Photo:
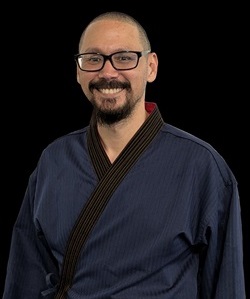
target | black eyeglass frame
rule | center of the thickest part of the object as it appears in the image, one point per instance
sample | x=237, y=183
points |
x=109, y=57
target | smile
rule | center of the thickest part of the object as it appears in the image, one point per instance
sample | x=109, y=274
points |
x=110, y=91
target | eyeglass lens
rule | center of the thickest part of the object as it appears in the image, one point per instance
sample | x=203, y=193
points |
x=121, y=60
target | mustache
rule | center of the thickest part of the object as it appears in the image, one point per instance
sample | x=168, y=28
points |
x=104, y=84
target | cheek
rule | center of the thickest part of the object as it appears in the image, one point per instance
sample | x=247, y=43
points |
x=139, y=80
x=80, y=75
x=82, y=79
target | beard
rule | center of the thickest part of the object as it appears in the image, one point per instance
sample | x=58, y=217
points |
x=106, y=114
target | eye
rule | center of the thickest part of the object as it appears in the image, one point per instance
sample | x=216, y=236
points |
x=93, y=59
x=124, y=57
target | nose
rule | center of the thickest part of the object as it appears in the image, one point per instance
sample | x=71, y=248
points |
x=108, y=70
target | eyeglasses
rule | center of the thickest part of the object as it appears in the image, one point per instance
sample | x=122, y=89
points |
x=121, y=61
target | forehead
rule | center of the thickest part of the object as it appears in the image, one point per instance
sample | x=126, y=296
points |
x=111, y=35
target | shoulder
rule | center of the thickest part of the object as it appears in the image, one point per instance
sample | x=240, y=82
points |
x=68, y=145
x=68, y=140
x=195, y=152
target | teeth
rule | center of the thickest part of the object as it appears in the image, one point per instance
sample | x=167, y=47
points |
x=110, y=91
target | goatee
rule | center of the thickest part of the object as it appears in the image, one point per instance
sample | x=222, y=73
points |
x=110, y=117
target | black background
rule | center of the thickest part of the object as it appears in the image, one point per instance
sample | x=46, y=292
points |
x=201, y=85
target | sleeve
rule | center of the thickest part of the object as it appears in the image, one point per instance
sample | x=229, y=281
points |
x=223, y=271
x=31, y=270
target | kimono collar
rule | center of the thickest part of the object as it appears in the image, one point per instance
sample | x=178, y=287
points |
x=139, y=141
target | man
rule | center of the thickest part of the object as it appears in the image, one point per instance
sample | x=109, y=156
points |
x=130, y=206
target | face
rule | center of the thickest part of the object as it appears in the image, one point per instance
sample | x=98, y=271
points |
x=115, y=93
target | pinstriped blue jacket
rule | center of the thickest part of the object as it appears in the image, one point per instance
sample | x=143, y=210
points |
x=171, y=229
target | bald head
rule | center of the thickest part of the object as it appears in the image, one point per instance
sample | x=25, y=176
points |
x=123, y=18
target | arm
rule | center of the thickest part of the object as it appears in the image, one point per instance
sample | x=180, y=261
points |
x=223, y=274
x=31, y=268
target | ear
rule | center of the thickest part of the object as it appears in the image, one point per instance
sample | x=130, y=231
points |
x=152, y=66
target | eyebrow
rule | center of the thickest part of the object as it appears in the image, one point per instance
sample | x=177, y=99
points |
x=97, y=50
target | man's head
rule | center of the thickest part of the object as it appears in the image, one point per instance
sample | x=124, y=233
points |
x=116, y=84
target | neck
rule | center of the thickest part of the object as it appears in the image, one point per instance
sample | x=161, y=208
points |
x=115, y=137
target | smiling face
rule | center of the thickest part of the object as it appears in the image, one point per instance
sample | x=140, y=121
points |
x=114, y=94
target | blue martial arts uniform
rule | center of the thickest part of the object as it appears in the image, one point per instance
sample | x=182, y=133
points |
x=171, y=229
